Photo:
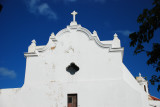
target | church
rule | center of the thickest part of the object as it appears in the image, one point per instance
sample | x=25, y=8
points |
x=76, y=69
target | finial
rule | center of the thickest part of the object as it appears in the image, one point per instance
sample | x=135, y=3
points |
x=139, y=74
x=115, y=35
x=52, y=34
x=94, y=33
x=33, y=41
x=53, y=37
x=116, y=42
x=32, y=47
x=74, y=13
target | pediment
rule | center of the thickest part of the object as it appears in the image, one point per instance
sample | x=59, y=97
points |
x=56, y=39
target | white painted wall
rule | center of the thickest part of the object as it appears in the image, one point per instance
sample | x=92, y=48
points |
x=102, y=80
x=153, y=103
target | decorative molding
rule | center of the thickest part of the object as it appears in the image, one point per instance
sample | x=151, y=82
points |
x=30, y=54
x=79, y=28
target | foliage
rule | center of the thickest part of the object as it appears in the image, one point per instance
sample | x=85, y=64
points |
x=1, y=7
x=149, y=22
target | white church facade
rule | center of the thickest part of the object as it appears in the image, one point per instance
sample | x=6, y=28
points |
x=76, y=69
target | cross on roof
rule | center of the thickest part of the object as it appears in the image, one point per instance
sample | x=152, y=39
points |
x=74, y=13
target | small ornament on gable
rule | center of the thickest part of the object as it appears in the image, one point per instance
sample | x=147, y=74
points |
x=33, y=41
x=94, y=33
x=116, y=42
x=32, y=47
x=115, y=36
x=53, y=37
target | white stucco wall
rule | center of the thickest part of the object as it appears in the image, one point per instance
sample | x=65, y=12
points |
x=102, y=80
x=153, y=103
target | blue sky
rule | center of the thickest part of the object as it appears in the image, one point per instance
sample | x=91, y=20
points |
x=24, y=20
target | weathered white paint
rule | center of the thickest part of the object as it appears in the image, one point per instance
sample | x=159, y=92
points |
x=102, y=80
x=154, y=103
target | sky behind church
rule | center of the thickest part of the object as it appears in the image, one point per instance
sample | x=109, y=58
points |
x=24, y=20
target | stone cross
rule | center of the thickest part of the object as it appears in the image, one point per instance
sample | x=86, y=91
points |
x=74, y=13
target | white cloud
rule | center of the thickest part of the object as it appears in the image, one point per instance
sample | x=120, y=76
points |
x=7, y=73
x=44, y=9
x=40, y=8
x=124, y=32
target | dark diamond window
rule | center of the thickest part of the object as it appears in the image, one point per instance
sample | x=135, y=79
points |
x=72, y=68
